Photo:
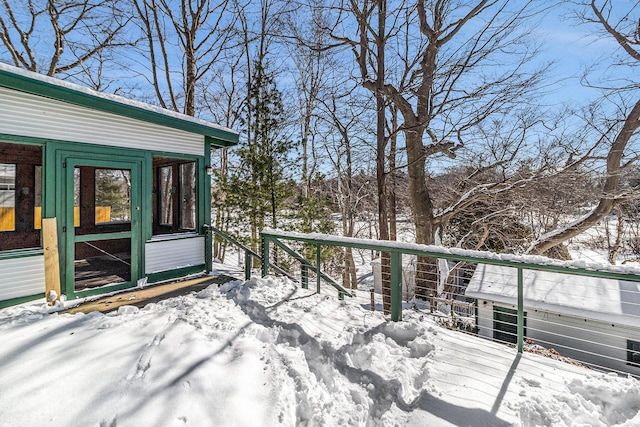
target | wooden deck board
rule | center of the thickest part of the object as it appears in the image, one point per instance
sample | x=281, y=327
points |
x=142, y=297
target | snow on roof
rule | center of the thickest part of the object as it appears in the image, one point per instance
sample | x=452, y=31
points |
x=111, y=98
x=607, y=300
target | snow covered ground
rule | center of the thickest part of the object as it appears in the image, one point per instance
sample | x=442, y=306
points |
x=266, y=353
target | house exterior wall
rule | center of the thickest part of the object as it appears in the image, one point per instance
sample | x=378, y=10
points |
x=75, y=128
x=25, y=114
x=21, y=277
x=164, y=254
x=590, y=341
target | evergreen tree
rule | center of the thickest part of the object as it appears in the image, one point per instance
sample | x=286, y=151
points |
x=258, y=187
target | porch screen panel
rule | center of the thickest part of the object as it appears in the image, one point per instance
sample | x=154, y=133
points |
x=20, y=185
x=175, y=201
x=7, y=197
x=100, y=263
x=188, y=196
x=166, y=191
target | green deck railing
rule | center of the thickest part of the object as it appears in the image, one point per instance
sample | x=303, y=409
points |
x=398, y=249
x=249, y=255
x=306, y=265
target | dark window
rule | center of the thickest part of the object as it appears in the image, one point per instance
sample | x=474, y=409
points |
x=505, y=325
x=175, y=202
x=20, y=196
x=633, y=353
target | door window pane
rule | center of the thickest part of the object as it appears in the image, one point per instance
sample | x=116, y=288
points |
x=188, y=196
x=112, y=195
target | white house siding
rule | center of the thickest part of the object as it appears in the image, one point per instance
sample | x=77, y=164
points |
x=25, y=114
x=591, y=341
x=163, y=255
x=21, y=277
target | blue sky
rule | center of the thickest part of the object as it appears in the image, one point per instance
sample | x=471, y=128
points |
x=573, y=48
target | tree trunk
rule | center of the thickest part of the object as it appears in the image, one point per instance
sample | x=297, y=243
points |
x=391, y=189
x=609, y=189
x=426, y=268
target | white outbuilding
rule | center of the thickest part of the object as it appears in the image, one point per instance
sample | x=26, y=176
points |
x=593, y=320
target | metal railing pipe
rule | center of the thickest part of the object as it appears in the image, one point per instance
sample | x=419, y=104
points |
x=396, y=286
x=520, y=325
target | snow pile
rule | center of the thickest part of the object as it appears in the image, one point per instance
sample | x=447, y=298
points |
x=593, y=401
x=266, y=353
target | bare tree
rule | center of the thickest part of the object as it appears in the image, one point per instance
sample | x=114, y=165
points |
x=345, y=116
x=617, y=135
x=61, y=38
x=311, y=65
x=199, y=28
x=447, y=82
x=223, y=94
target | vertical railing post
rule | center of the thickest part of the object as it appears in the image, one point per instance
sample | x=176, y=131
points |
x=520, y=310
x=396, y=286
x=247, y=265
x=264, y=246
x=208, y=247
x=305, y=275
x=318, y=262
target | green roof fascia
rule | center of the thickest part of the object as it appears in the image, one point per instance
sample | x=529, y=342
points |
x=217, y=136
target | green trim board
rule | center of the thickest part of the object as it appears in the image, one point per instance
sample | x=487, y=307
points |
x=17, y=139
x=101, y=290
x=25, y=81
x=176, y=273
x=15, y=301
x=205, y=196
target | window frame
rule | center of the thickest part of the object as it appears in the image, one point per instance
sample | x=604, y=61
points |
x=176, y=196
x=506, y=330
x=633, y=348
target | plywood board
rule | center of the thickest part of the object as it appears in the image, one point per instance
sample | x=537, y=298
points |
x=154, y=293
x=51, y=259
